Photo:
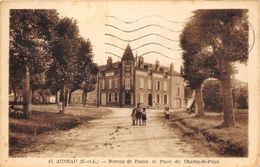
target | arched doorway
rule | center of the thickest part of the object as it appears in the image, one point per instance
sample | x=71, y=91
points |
x=150, y=100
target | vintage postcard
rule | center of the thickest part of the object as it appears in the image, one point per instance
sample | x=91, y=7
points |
x=130, y=83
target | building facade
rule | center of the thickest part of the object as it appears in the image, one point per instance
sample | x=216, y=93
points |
x=133, y=81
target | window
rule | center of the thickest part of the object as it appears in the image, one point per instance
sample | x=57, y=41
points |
x=158, y=85
x=165, y=85
x=115, y=96
x=103, y=84
x=128, y=69
x=165, y=99
x=178, y=91
x=149, y=84
x=158, y=98
x=141, y=80
x=127, y=83
x=116, y=82
x=110, y=83
x=108, y=74
x=109, y=97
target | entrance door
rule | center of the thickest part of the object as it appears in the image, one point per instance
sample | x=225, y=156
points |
x=150, y=100
x=127, y=98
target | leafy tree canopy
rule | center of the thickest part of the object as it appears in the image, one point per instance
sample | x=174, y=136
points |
x=209, y=37
x=31, y=32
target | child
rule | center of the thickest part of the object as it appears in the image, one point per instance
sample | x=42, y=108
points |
x=12, y=111
x=166, y=114
x=133, y=116
x=138, y=114
x=144, y=117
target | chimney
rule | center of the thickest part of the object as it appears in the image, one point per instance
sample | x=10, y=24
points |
x=109, y=60
x=157, y=65
x=171, y=68
x=141, y=62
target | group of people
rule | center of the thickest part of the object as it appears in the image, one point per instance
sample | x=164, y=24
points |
x=15, y=113
x=139, y=115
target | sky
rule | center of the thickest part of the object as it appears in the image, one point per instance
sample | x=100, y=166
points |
x=98, y=21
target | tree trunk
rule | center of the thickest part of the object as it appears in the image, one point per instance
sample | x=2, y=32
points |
x=66, y=97
x=70, y=92
x=227, y=102
x=62, y=98
x=26, y=93
x=234, y=99
x=199, y=102
x=84, y=98
x=56, y=97
x=98, y=91
x=33, y=100
x=61, y=95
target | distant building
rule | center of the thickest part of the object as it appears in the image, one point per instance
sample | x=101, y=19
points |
x=39, y=96
x=43, y=96
x=76, y=97
x=133, y=81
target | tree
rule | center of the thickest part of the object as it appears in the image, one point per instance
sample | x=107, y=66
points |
x=89, y=83
x=198, y=64
x=86, y=78
x=30, y=34
x=193, y=76
x=73, y=59
x=226, y=33
x=64, y=50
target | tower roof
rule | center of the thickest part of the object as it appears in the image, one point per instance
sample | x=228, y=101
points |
x=128, y=54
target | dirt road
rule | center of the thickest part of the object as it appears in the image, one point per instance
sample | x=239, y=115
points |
x=113, y=136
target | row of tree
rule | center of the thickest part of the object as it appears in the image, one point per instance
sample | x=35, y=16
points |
x=212, y=41
x=46, y=51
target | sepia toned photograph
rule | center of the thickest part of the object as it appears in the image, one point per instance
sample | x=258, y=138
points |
x=128, y=81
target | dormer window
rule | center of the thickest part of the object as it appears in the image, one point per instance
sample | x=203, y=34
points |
x=127, y=69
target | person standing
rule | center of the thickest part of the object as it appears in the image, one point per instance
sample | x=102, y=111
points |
x=138, y=114
x=144, y=118
x=133, y=116
x=166, y=115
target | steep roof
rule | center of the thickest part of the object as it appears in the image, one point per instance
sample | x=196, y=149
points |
x=166, y=69
x=128, y=54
